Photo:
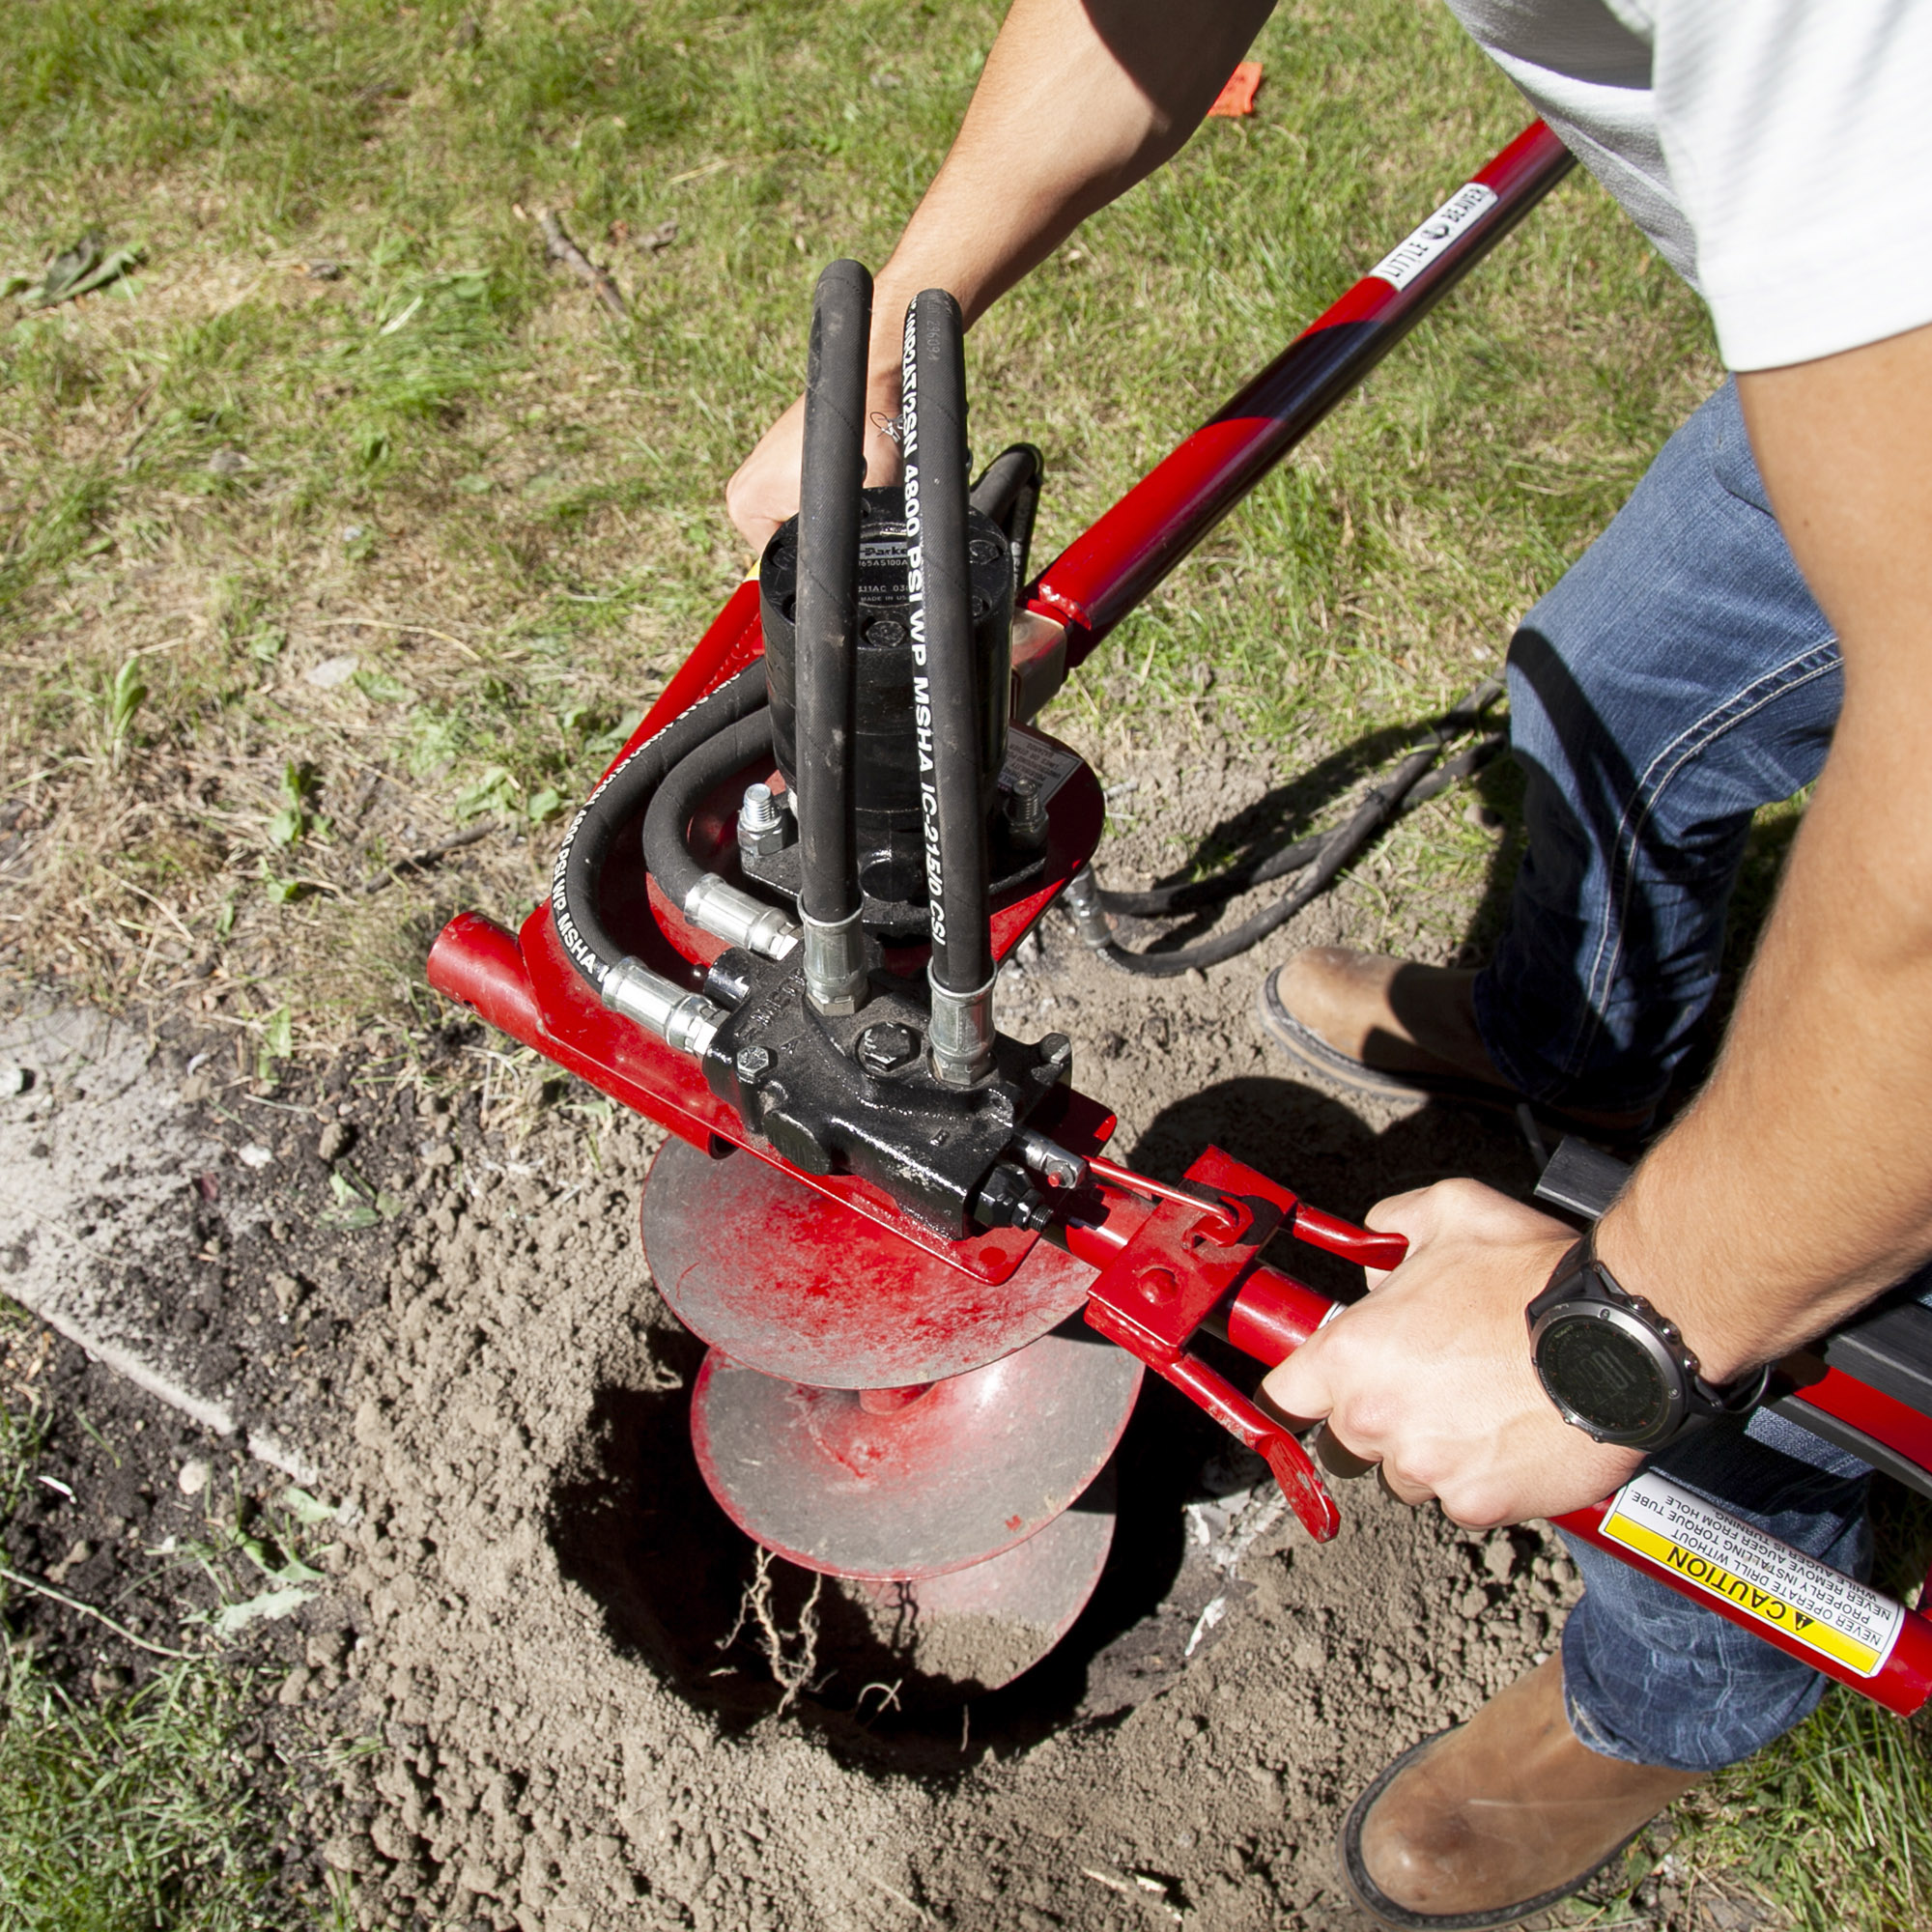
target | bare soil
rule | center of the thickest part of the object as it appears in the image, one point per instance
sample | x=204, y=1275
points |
x=535, y=1614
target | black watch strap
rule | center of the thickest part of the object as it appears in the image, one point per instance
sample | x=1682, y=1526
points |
x=1581, y=1277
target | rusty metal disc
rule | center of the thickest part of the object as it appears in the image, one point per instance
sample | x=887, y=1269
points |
x=974, y=1630
x=976, y=1465
x=787, y=1281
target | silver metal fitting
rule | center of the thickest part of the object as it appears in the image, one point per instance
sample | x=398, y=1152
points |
x=761, y=822
x=835, y=965
x=1050, y=1160
x=961, y=1035
x=738, y=919
x=1082, y=900
x=679, y=1017
x=1039, y=662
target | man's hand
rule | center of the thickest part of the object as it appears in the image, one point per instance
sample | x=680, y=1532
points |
x=1431, y=1375
x=764, y=492
x=1023, y=174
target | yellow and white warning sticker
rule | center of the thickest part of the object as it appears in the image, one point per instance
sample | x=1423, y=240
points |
x=1770, y=1581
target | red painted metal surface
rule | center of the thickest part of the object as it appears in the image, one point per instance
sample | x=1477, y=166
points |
x=1903, y=1682
x=1033, y=1592
x=1894, y=1423
x=1156, y=1292
x=1092, y=583
x=977, y=1463
x=1158, y=1270
x=784, y=1280
x=1271, y=1309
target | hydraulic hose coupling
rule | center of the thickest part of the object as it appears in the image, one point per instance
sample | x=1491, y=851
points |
x=679, y=1017
x=1082, y=900
x=835, y=965
x=740, y=919
x=961, y=1035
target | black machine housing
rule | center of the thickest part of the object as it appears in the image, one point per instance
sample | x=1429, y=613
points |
x=855, y=1095
x=886, y=773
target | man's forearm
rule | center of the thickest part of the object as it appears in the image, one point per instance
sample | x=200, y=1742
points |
x=1078, y=102
x=1800, y=1186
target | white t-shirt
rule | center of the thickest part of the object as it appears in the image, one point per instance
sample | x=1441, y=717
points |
x=1777, y=151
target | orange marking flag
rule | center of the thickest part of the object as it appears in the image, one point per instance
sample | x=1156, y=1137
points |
x=1237, y=99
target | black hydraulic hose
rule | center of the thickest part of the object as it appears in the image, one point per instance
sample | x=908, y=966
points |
x=831, y=477
x=1198, y=896
x=622, y=793
x=1009, y=492
x=1334, y=851
x=946, y=705
x=674, y=804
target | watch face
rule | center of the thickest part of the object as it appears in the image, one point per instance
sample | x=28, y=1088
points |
x=1608, y=1378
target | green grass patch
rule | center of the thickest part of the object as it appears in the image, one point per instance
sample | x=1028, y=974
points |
x=128, y=1811
x=1829, y=1824
x=127, y=1814
x=345, y=386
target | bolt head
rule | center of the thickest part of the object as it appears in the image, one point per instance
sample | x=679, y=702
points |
x=887, y=1047
x=1158, y=1284
x=753, y=1062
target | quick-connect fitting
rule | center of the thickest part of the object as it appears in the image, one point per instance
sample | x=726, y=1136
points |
x=679, y=1017
x=835, y=965
x=738, y=919
x=961, y=1035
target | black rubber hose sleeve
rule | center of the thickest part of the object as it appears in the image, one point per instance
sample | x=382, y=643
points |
x=675, y=802
x=830, y=477
x=623, y=792
x=1335, y=851
x=936, y=503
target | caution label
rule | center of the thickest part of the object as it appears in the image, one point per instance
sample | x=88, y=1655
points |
x=1415, y=252
x=1770, y=1581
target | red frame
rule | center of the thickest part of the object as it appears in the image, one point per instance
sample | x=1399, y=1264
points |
x=1159, y=1266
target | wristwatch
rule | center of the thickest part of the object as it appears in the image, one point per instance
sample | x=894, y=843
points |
x=1614, y=1367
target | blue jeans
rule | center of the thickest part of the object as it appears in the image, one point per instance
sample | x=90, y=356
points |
x=1676, y=679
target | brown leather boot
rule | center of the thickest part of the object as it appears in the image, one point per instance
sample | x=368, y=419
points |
x=1496, y=1820
x=1395, y=1029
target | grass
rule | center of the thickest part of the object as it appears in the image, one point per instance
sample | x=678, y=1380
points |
x=128, y=1811
x=451, y=467
x=345, y=413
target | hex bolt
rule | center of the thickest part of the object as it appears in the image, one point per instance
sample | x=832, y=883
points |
x=753, y=1063
x=885, y=1047
x=761, y=822
x=1026, y=815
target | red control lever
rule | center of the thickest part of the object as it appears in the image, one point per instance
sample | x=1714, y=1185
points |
x=1184, y=1260
x=1175, y=1268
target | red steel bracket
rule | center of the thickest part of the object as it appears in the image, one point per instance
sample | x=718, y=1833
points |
x=1176, y=1266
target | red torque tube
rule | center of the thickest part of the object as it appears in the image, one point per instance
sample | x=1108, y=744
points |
x=1902, y=1683
x=1104, y=574
x=1273, y=1314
